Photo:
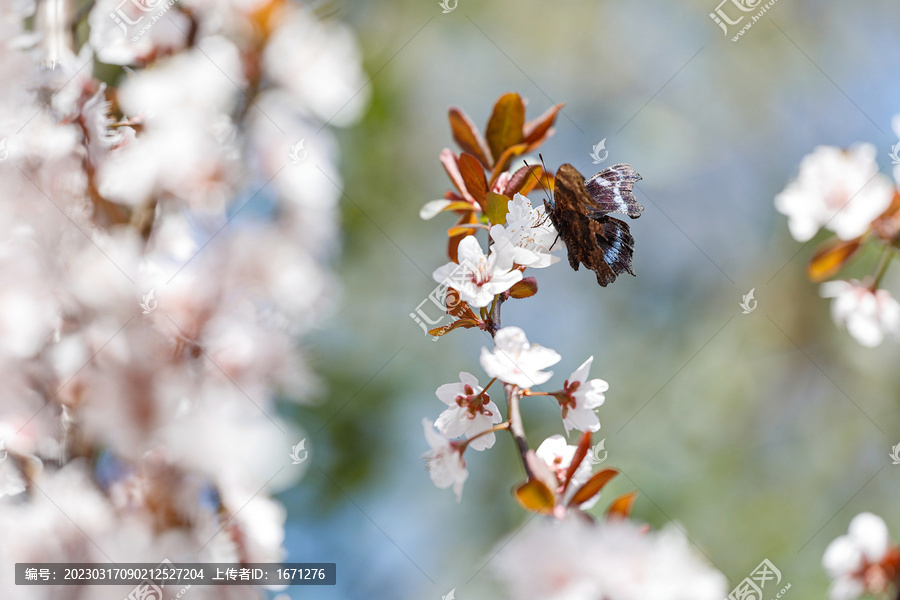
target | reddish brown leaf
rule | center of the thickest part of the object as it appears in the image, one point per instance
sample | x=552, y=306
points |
x=504, y=128
x=473, y=175
x=525, y=288
x=593, y=486
x=536, y=131
x=584, y=444
x=466, y=135
x=458, y=308
x=451, y=166
x=506, y=158
x=453, y=245
x=533, y=495
x=496, y=208
x=524, y=180
x=467, y=229
x=464, y=323
x=831, y=258
x=621, y=506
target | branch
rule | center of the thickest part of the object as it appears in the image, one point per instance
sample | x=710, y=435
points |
x=516, y=428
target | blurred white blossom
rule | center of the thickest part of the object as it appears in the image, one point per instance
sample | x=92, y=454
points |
x=841, y=190
x=131, y=437
x=868, y=315
x=854, y=561
x=574, y=559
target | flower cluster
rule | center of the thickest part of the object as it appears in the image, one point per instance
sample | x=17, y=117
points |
x=844, y=191
x=864, y=561
x=570, y=556
x=150, y=302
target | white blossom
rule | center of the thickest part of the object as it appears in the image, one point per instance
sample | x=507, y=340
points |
x=868, y=315
x=615, y=560
x=514, y=360
x=841, y=190
x=469, y=412
x=580, y=397
x=852, y=560
x=530, y=231
x=477, y=277
x=444, y=461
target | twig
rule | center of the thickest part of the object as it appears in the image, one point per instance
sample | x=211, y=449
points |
x=516, y=428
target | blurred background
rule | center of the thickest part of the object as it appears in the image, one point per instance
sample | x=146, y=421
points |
x=761, y=435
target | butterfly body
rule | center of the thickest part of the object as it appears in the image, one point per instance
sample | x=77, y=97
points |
x=580, y=212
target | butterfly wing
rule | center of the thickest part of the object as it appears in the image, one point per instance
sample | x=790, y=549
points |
x=612, y=190
x=599, y=242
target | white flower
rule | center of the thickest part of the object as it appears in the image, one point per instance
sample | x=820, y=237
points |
x=478, y=278
x=841, y=190
x=516, y=361
x=580, y=397
x=576, y=560
x=558, y=455
x=867, y=315
x=529, y=231
x=852, y=560
x=444, y=461
x=470, y=412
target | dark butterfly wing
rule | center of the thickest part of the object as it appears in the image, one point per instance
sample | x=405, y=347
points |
x=612, y=190
x=599, y=242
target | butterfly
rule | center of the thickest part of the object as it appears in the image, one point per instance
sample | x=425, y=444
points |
x=580, y=212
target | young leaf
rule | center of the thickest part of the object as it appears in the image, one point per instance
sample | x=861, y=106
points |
x=540, y=129
x=451, y=166
x=473, y=175
x=831, y=258
x=526, y=288
x=466, y=135
x=467, y=218
x=593, y=486
x=584, y=444
x=464, y=323
x=496, y=208
x=467, y=229
x=504, y=128
x=507, y=157
x=524, y=180
x=533, y=495
x=621, y=506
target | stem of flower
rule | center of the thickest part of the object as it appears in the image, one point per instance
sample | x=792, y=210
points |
x=883, y=264
x=516, y=428
x=500, y=427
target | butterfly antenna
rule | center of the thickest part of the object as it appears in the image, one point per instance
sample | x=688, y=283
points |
x=541, y=183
